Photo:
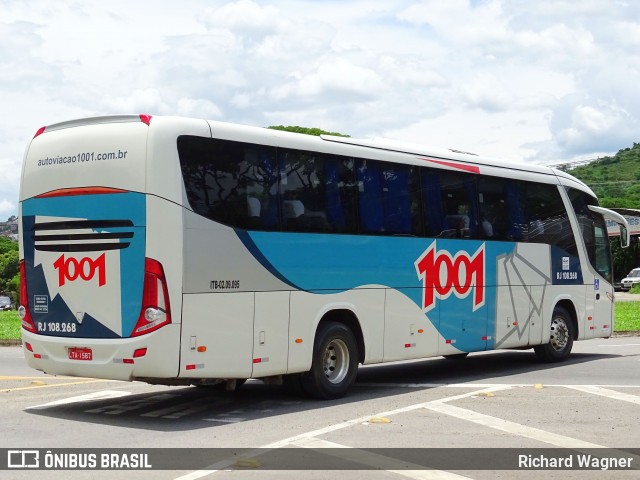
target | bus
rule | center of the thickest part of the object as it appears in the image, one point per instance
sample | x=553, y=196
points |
x=180, y=251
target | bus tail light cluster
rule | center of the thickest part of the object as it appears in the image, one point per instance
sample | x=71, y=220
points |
x=155, y=311
x=23, y=310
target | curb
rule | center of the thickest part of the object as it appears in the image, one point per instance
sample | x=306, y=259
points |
x=632, y=333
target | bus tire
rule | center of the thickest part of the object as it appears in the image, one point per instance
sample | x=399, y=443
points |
x=335, y=362
x=561, y=341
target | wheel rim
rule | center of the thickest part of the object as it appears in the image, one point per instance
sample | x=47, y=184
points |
x=559, y=334
x=336, y=361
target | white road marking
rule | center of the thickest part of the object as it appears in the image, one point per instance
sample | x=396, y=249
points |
x=225, y=419
x=479, y=385
x=510, y=427
x=604, y=392
x=621, y=345
x=102, y=395
x=378, y=462
x=331, y=428
x=436, y=385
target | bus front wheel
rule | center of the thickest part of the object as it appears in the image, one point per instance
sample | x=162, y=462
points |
x=335, y=362
x=561, y=340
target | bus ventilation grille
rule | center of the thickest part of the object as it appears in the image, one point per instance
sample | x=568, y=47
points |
x=81, y=235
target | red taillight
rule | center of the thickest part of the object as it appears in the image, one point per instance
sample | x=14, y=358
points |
x=68, y=192
x=140, y=352
x=40, y=131
x=23, y=310
x=155, y=311
x=145, y=119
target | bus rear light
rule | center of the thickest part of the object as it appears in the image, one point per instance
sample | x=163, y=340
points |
x=28, y=346
x=23, y=309
x=39, y=132
x=155, y=311
x=68, y=192
x=140, y=352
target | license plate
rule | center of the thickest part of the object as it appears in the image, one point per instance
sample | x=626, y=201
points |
x=80, y=354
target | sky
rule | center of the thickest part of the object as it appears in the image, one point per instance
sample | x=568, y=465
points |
x=543, y=81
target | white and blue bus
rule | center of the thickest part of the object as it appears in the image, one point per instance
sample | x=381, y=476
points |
x=190, y=252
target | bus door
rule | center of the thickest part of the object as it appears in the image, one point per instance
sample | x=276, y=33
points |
x=602, y=285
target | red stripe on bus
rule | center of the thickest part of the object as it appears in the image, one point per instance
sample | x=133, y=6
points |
x=459, y=166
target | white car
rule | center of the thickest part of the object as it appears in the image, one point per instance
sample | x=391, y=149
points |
x=633, y=278
x=5, y=303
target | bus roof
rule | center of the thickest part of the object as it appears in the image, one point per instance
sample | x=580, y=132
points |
x=403, y=151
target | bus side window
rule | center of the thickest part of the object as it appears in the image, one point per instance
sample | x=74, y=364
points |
x=459, y=197
x=547, y=219
x=369, y=176
x=432, y=201
x=495, y=217
x=317, y=192
x=401, y=200
x=301, y=191
x=514, y=223
x=340, y=194
x=230, y=182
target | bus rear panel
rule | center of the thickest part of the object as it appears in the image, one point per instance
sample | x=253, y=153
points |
x=91, y=299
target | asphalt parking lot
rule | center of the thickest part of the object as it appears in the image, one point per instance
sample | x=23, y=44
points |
x=505, y=401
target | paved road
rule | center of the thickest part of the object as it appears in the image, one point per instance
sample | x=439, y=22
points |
x=497, y=399
x=627, y=297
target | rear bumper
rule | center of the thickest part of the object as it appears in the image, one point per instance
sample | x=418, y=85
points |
x=112, y=358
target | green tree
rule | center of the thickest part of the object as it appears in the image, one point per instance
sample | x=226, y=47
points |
x=306, y=130
x=9, y=268
x=7, y=245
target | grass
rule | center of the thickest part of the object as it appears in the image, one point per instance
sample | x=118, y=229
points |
x=9, y=325
x=627, y=319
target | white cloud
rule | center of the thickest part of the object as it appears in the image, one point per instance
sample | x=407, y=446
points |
x=332, y=76
x=7, y=209
x=582, y=128
x=245, y=17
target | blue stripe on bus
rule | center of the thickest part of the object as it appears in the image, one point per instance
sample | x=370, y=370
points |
x=250, y=245
x=320, y=264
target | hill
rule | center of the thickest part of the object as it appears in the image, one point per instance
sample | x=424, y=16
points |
x=615, y=180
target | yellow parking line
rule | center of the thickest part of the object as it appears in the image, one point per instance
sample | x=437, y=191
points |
x=51, y=385
x=21, y=378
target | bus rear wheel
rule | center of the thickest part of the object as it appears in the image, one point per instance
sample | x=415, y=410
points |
x=561, y=340
x=335, y=362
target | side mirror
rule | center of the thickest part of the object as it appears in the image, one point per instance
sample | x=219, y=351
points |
x=624, y=236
